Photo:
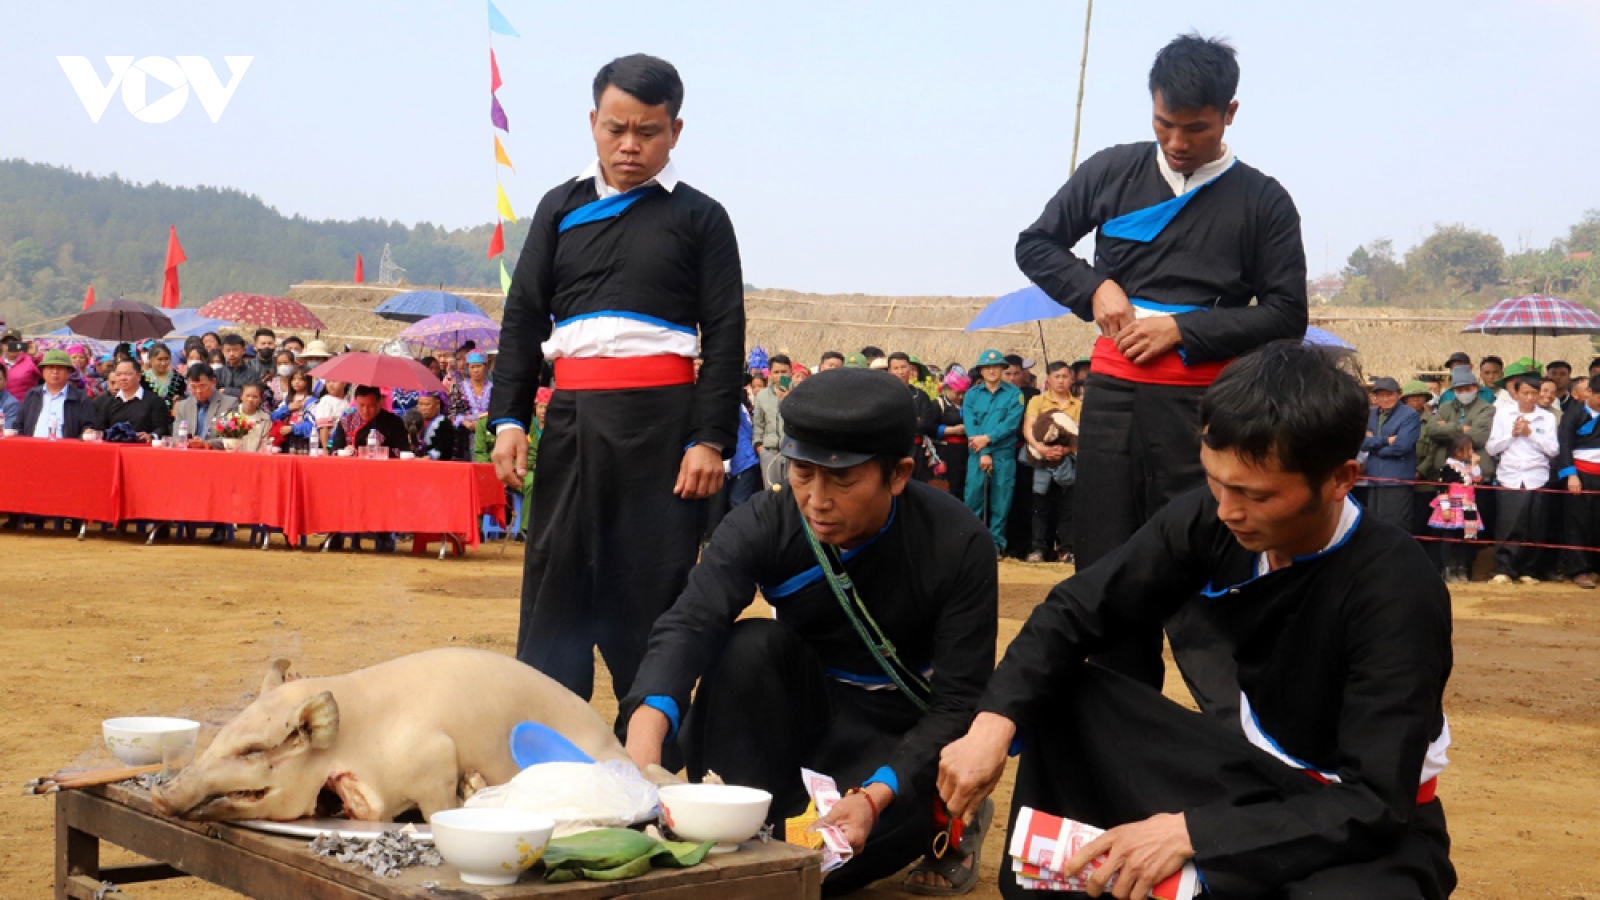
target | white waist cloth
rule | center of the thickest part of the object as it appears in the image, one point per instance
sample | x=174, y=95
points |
x=620, y=334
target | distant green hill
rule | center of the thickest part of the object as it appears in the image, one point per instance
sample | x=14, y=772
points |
x=61, y=231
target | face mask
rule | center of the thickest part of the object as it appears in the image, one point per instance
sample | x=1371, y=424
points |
x=285, y=370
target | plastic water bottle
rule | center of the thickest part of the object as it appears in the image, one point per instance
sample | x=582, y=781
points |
x=54, y=428
x=181, y=438
x=374, y=449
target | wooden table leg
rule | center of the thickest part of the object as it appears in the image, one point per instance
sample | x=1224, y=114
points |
x=77, y=852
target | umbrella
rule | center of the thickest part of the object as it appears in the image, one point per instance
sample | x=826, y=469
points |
x=121, y=320
x=189, y=323
x=260, y=309
x=414, y=306
x=379, y=371
x=1027, y=305
x=1324, y=338
x=1535, y=315
x=447, y=331
x=62, y=338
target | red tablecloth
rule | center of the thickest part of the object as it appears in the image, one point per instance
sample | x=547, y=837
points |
x=296, y=494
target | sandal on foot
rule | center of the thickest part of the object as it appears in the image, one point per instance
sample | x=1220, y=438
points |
x=960, y=878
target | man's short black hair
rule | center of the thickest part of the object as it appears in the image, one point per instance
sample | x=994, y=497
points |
x=645, y=78
x=266, y=332
x=1195, y=72
x=1491, y=359
x=1580, y=380
x=1014, y=359
x=1057, y=366
x=199, y=370
x=367, y=390
x=129, y=359
x=871, y=352
x=906, y=357
x=779, y=358
x=291, y=339
x=832, y=354
x=1295, y=403
x=232, y=340
x=1558, y=364
x=1518, y=381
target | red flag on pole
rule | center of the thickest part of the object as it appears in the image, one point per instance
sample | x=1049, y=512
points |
x=169, y=283
x=494, y=73
x=88, y=299
x=497, y=241
x=361, y=274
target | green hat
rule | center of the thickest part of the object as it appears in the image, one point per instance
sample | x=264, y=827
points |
x=855, y=361
x=1523, y=366
x=56, y=358
x=989, y=358
x=1080, y=361
x=922, y=370
x=1414, y=388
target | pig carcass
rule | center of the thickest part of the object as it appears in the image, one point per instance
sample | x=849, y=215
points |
x=401, y=734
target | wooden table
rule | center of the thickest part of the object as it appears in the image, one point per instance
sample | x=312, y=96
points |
x=273, y=867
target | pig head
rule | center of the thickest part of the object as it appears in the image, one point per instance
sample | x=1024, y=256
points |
x=373, y=743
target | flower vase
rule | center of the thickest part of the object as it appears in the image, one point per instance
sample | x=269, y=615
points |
x=230, y=444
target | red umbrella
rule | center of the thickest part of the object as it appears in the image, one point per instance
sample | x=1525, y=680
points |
x=379, y=371
x=260, y=309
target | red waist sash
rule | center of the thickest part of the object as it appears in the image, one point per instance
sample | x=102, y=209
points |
x=607, y=373
x=1168, y=368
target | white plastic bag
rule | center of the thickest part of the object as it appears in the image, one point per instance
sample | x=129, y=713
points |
x=578, y=796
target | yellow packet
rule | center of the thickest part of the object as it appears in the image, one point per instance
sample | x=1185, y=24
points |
x=798, y=831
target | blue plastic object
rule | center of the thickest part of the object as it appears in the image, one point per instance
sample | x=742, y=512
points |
x=533, y=743
x=1027, y=305
x=414, y=306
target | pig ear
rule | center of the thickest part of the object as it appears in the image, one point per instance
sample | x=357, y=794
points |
x=317, y=720
x=274, y=676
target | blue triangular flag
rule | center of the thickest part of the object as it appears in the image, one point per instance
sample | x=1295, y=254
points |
x=498, y=23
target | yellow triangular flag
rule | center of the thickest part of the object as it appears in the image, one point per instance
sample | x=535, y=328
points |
x=500, y=154
x=503, y=204
x=505, y=278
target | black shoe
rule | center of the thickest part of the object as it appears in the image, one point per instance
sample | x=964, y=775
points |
x=218, y=536
x=385, y=544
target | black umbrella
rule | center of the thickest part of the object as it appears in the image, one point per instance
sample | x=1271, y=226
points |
x=121, y=320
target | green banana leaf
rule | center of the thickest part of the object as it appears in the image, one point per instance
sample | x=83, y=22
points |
x=612, y=854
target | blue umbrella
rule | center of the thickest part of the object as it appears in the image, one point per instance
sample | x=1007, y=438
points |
x=1027, y=305
x=1323, y=338
x=414, y=306
x=189, y=323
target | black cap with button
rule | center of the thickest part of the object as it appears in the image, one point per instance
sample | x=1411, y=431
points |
x=844, y=417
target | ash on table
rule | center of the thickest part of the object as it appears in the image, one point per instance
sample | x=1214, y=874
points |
x=151, y=780
x=384, y=855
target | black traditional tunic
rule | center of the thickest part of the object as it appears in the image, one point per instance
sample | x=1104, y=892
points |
x=1225, y=258
x=1321, y=772
x=804, y=690
x=625, y=283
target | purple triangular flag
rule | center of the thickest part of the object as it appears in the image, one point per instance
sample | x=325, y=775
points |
x=497, y=114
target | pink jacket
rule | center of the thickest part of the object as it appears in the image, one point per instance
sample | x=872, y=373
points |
x=22, y=376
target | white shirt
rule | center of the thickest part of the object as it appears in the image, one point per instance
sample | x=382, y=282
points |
x=53, y=409
x=1182, y=184
x=667, y=178
x=1524, y=460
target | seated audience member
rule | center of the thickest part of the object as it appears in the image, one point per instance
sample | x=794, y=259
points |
x=84, y=377
x=250, y=397
x=276, y=382
x=329, y=409
x=366, y=416
x=161, y=380
x=22, y=374
x=235, y=371
x=199, y=410
x=1525, y=438
x=128, y=402
x=55, y=403
x=435, y=436
x=10, y=409
x=1337, y=631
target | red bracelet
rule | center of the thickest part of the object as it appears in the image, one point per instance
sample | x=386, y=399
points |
x=870, y=803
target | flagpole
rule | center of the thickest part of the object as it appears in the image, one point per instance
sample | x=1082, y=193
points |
x=1083, y=68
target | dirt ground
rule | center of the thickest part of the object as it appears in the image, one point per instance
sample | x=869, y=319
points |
x=109, y=627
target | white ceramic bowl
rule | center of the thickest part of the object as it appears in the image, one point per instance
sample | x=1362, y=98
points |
x=724, y=813
x=140, y=740
x=490, y=846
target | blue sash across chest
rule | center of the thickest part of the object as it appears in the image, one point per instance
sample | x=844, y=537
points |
x=605, y=208
x=1145, y=225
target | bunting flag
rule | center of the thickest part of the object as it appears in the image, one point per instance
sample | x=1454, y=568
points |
x=497, y=241
x=497, y=115
x=505, y=278
x=88, y=299
x=498, y=23
x=361, y=274
x=494, y=73
x=169, y=282
x=500, y=154
x=503, y=204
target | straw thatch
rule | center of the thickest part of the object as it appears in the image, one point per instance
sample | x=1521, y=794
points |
x=346, y=308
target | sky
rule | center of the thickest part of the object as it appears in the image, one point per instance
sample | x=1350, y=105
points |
x=873, y=146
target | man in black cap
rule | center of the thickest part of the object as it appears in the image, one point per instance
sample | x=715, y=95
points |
x=885, y=596
x=1391, y=448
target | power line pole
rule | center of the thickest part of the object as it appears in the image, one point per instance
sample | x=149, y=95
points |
x=1083, y=67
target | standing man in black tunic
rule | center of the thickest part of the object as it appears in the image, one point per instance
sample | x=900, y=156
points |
x=1186, y=236
x=628, y=275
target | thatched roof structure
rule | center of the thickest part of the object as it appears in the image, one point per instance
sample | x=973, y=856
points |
x=346, y=308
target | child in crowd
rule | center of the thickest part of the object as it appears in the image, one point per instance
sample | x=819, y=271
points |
x=1525, y=439
x=1455, y=510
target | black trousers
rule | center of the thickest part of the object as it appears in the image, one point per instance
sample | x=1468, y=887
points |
x=1053, y=507
x=1019, y=522
x=767, y=709
x=1518, y=520
x=609, y=545
x=1391, y=503
x=1144, y=755
x=1582, y=527
x=955, y=468
x=1138, y=447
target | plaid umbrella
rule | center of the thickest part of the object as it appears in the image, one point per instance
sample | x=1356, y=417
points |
x=260, y=309
x=1535, y=315
x=450, y=330
x=121, y=320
